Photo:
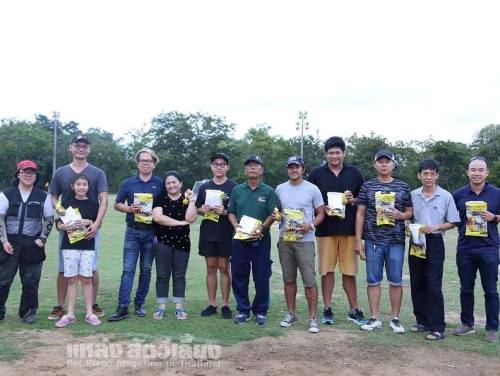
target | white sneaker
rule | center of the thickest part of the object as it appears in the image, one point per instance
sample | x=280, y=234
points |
x=372, y=324
x=313, y=326
x=396, y=326
x=288, y=320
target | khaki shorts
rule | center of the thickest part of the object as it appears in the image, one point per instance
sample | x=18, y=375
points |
x=300, y=255
x=333, y=248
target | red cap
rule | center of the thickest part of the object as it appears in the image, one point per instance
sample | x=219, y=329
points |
x=26, y=164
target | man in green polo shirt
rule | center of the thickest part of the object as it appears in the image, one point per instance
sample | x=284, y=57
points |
x=256, y=200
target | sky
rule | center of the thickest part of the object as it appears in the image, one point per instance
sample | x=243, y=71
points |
x=402, y=69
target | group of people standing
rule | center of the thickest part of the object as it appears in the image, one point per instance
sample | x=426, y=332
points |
x=369, y=223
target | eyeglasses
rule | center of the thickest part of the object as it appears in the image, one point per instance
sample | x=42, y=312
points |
x=146, y=161
x=219, y=165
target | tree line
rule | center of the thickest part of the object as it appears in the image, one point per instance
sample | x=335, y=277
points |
x=185, y=142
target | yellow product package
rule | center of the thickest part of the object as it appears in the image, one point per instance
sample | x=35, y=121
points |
x=476, y=226
x=248, y=226
x=418, y=242
x=292, y=219
x=384, y=201
x=211, y=216
x=145, y=200
x=336, y=204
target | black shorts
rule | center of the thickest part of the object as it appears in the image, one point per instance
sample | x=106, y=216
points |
x=214, y=249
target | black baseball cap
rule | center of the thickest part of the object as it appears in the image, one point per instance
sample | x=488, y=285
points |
x=295, y=160
x=80, y=138
x=384, y=154
x=254, y=158
x=220, y=156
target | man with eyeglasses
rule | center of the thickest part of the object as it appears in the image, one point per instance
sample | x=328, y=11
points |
x=61, y=186
x=477, y=247
x=135, y=198
x=215, y=235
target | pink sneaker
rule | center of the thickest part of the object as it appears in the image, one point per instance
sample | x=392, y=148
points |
x=65, y=320
x=92, y=319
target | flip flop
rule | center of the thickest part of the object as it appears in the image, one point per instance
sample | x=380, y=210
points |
x=434, y=336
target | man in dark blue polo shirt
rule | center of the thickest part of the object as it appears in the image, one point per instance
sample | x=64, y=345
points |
x=256, y=200
x=479, y=206
x=135, y=198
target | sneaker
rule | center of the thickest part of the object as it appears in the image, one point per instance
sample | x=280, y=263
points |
x=240, y=318
x=180, y=314
x=209, y=311
x=120, y=314
x=140, y=311
x=396, y=326
x=92, y=319
x=159, y=314
x=260, y=319
x=491, y=336
x=29, y=317
x=372, y=324
x=96, y=310
x=313, y=326
x=288, y=320
x=56, y=313
x=328, y=318
x=463, y=330
x=357, y=317
x=226, y=312
x=65, y=320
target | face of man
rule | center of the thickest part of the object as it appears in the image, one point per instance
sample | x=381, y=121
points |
x=384, y=166
x=335, y=157
x=295, y=172
x=27, y=176
x=253, y=170
x=428, y=178
x=79, y=150
x=477, y=172
x=146, y=163
x=219, y=167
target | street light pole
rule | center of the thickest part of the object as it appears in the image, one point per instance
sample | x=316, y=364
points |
x=300, y=125
x=55, y=122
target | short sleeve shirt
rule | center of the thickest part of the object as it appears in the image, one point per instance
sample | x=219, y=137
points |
x=88, y=210
x=61, y=182
x=257, y=203
x=384, y=234
x=475, y=244
x=174, y=236
x=135, y=185
x=216, y=231
x=349, y=178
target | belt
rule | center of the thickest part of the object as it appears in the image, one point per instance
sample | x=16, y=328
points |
x=139, y=226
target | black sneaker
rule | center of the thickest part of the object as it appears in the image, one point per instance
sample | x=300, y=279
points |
x=29, y=317
x=226, y=312
x=140, y=311
x=120, y=314
x=328, y=318
x=209, y=311
x=357, y=317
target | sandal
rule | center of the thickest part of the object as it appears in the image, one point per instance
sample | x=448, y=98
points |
x=159, y=314
x=434, y=336
x=419, y=328
x=180, y=314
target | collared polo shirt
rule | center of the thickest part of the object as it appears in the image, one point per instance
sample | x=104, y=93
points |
x=435, y=210
x=257, y=203
x=135, y=185
x=491, y=195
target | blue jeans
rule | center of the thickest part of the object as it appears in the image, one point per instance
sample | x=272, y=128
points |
x=138, y=244
x=392, y=255
x=468, y=264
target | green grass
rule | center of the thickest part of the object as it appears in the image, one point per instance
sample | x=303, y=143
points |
x=215, y=329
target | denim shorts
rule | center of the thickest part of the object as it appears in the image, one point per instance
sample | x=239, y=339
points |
x=378, y=254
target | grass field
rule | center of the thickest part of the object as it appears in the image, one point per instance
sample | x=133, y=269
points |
x=215, y=329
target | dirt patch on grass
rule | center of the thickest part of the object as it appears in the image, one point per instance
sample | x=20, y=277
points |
x=298, y=353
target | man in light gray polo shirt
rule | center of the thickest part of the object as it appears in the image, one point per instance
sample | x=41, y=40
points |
x=435, y=209
x=301, y=203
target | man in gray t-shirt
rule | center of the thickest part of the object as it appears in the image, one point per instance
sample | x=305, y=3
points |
x=301, y=205
x=60, y=187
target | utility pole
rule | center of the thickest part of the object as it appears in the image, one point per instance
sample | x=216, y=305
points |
x=55, y=122
x=300, y=125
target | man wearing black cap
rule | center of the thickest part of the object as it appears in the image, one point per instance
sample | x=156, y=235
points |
x=61, y=185
x=216, y=233
x=26, y=218
x=256, y=200
x=384, y=203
